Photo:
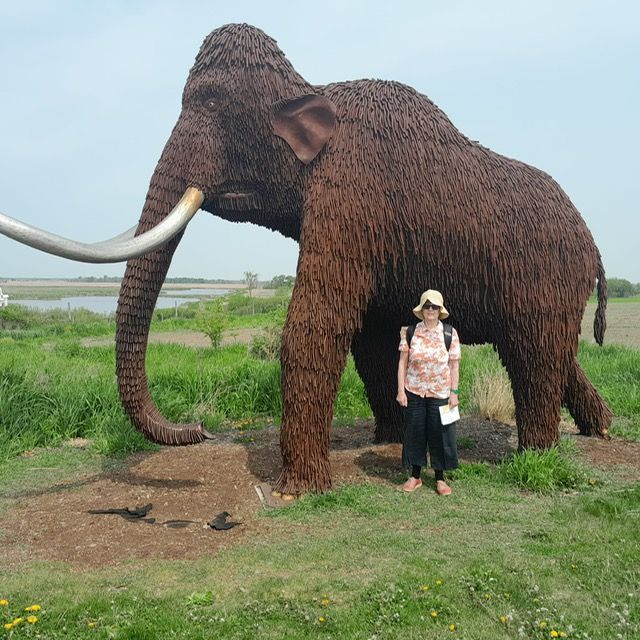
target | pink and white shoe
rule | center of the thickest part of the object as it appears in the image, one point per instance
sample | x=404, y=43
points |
x=412, y=484
x=442, y=488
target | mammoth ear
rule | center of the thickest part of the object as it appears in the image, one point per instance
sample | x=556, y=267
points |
x=305, y=123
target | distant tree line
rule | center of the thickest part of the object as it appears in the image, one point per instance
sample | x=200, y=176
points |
x=621, y=288
x=278, y=282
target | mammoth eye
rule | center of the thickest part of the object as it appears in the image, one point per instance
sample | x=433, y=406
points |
x=211, y=101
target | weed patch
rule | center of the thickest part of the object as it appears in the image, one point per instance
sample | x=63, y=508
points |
x=544, y=471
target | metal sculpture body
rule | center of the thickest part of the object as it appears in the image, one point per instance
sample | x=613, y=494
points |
x=386, y=198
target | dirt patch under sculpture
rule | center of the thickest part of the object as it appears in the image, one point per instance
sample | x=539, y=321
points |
x=196, y=483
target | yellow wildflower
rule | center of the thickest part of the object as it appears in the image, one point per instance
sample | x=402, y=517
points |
x=487, y=596
x=4, y=603
x=434, y=614
x=325, y=601
x=542, y=624
x=17, y=621
x=503, y=619
x=8, y=626
x=438, y=582
x=554, y=633
x=425, y=587
x=33, y=607
x=452, y=627
x=91, y=625
x=321, y=619
x=32, y=619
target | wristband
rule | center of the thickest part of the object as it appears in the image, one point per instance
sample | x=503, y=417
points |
x=456, y=391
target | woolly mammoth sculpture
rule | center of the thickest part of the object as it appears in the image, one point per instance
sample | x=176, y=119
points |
x=386, y=198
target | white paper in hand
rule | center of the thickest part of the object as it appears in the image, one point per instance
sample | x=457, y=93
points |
x=448, y=414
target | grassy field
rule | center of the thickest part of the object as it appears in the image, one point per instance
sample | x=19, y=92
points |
x=52, y=390
x=366, y=561
x=539, y=546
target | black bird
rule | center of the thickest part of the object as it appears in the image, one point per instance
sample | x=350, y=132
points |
x=136, y=513
x=219, y=523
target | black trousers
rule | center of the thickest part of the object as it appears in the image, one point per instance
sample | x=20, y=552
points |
x=423, y=432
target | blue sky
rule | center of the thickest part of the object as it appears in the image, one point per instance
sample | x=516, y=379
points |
x=89, y=92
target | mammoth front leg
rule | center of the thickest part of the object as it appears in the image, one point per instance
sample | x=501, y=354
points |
x=323, y=314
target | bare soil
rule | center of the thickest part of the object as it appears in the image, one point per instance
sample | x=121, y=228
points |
x=198, y=482
x=193, y=339
x=623, y=324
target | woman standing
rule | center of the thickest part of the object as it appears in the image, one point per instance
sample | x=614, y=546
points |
x=427, y=379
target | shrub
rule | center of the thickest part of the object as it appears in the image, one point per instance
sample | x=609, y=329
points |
x=212, y=322
x=266, y=345
x=16, y=317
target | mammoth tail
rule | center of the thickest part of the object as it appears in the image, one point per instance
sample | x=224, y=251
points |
x=600, y=321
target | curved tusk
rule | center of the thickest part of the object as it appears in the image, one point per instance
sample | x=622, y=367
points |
x=116, y=249
x=127, y=235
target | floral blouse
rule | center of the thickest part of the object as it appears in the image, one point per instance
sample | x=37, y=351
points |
x=428, y=373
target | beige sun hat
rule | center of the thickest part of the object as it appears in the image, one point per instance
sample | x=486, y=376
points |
x=435, y=297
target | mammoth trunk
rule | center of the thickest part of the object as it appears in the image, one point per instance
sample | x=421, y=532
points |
x=141, y=285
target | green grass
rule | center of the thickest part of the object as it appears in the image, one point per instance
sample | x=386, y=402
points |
x=369, y=561
x=51, y=393
x=624, y=300
x=53, y=389
x=544, y=471
x=615, y=373
x=594, y=299
x=537, y=543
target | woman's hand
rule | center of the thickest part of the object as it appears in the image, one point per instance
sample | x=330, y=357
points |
x=453, y=400
x=402, y=398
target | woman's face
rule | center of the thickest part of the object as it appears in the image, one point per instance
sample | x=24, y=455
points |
x=430, y=311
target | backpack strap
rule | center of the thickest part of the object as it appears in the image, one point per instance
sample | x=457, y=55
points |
x=448, y=335
x=409, y=335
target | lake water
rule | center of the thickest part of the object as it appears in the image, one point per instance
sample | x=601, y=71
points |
x=98, y=304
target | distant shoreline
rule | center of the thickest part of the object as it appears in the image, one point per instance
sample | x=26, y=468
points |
x=88, y=284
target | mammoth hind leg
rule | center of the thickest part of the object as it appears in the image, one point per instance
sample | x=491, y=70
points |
x=375, y=352
x=537, y=367
x=589, y=410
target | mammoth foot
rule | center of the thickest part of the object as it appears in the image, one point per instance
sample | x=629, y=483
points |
x=597, y=431
x=287, y=497
x=292, y=482
x=595, y=422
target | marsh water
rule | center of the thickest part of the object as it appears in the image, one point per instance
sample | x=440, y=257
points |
x=107, y=304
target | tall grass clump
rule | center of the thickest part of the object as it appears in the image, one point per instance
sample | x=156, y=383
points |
x=544, y=470
x=485, y=389
x=492, y=397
